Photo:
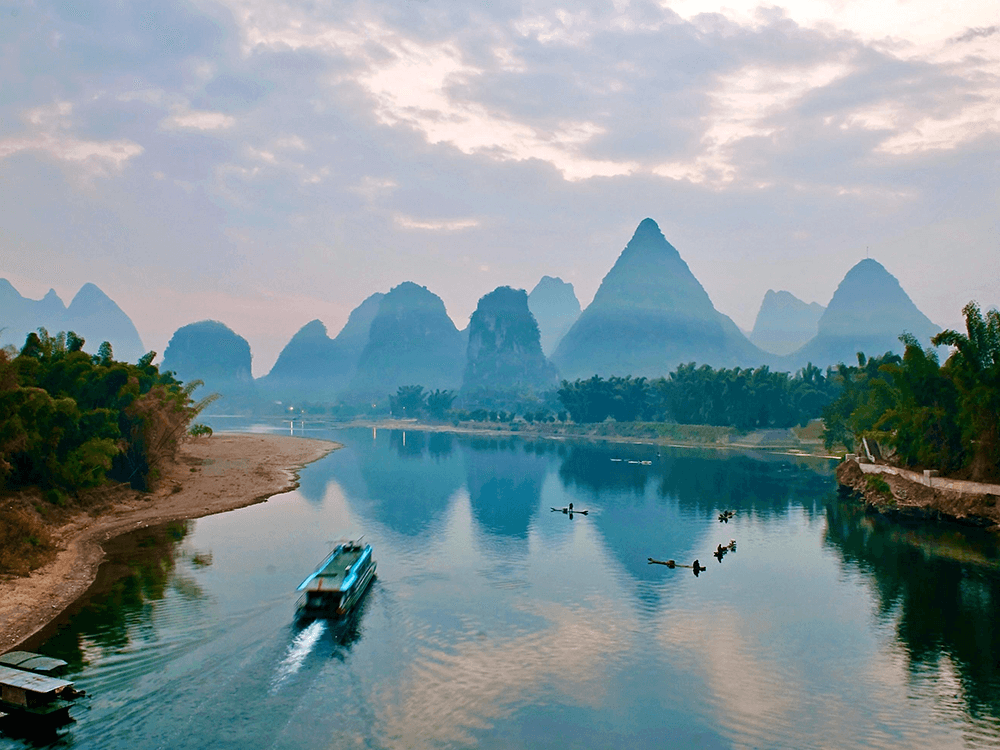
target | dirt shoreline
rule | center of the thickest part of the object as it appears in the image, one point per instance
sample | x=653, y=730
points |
x=211, y=475
x=909, y=499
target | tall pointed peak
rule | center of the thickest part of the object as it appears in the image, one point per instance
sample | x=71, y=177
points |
x=314, y=329
x=89, y=297
x=647, y=227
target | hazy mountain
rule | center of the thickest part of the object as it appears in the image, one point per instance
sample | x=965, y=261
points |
x=92, y=315
x=212, y=352
x=784, y=322
x=412, y=341
x=556, y=308
x=314, y=367
x=504, y=350
x=649, y=315
x=867, y=314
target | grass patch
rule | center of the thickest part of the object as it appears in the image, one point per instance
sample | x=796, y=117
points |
x=877, y=484
x=25, y=543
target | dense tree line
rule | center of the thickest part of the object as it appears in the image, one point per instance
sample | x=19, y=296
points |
x=71, y=420
x=744, y=398
x=926, y=414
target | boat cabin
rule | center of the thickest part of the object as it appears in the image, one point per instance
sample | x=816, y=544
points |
x=33, y=695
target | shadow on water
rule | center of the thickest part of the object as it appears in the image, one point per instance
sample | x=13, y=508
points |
x=943, y=584
x=135, y=573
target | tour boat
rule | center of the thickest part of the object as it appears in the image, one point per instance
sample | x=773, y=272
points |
x=339, y=582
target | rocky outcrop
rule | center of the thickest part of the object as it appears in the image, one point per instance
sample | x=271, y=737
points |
x=504, y=350
x=212, y=352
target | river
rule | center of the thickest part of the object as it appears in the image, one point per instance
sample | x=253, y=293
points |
x=497, y=623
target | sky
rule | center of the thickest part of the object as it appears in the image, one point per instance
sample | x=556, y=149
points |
x=265, y=163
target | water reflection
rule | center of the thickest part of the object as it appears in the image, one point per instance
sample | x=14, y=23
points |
x=398, y=486
x=504, y=478
x=940, y=587
x=137, y=572
x=496, y=623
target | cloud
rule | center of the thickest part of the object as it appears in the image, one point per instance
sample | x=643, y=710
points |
x=49, y=132
x=336, y=149
x=437, y=226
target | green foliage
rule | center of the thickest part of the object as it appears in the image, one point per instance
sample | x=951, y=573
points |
x=877, y=484
x=200, y=430
x=743, y=398
x=439, y=402
x=974, y=368
x=69, y=420
x=946, y=417
x=410, y=401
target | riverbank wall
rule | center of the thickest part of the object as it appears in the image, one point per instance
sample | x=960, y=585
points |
x=891, y=490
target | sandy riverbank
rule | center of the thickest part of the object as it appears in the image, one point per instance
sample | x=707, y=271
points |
x=212, y=475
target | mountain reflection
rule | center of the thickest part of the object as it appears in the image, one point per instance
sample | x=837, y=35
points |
x=944, y=585
x=505, y=479
x=397, y=486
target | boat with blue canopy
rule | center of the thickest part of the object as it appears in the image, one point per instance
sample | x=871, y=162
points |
x=336, y=586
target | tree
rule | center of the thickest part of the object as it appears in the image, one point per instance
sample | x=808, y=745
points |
x=974, y=367
x=439, y=402
x=409, y=401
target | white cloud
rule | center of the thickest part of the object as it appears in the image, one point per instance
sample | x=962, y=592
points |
x=50, y=134
x=452, y=225
x=193, y=120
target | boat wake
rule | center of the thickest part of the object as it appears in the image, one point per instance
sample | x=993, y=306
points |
x=298, y=650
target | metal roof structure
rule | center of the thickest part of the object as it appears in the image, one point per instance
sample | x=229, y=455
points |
x=36, y=683
x=31, y=662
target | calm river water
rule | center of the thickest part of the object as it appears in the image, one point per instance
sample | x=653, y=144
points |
x=496, y=623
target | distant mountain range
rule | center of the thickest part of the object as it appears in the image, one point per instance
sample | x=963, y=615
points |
x=91, y=314
x=314, y=367
x=649, y=315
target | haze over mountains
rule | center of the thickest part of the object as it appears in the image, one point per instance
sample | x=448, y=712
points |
x=784, y=322
x=649, y=315
x=91, y=314
x=556, y=308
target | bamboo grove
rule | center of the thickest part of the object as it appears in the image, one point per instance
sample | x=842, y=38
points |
x=70, y=420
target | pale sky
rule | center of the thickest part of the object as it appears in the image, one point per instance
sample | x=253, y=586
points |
x=267, y=163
